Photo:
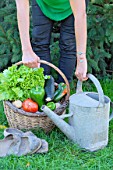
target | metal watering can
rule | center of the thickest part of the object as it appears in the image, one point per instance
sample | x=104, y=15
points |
x=88, y=117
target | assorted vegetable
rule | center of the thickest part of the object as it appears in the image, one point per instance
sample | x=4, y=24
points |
x=17, y=103
x=37, y=94
x=29, y=105
x=49, y=89
x=59, y=87
x=51, y=105
x=28, y=89
x=60, y=92
x=16, y=82
x=57, y=105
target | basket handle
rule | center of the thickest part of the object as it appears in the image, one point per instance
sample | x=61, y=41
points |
x=96, y=83
x=58, y=70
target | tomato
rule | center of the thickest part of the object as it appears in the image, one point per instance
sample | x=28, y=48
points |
x=29, y=105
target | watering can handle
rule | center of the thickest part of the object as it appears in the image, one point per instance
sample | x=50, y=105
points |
x=96, y=83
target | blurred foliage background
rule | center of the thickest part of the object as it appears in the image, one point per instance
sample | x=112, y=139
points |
x=100, y=37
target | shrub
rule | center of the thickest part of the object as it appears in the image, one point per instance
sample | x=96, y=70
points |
x=100, y=36
x=10, y=48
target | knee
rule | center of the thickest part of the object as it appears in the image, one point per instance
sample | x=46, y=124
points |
x=67, y=45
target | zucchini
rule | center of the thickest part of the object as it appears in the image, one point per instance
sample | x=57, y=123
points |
x=60, y=92
x=49, y=89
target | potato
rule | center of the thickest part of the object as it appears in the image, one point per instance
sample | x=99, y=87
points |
x=17, y=103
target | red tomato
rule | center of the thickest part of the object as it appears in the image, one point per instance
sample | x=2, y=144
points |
x=29, y=105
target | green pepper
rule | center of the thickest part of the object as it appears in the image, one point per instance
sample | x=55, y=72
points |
x=60, y=92
x=37, y=94
x=51, y=105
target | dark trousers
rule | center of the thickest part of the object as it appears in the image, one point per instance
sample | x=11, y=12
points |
x=41, y=35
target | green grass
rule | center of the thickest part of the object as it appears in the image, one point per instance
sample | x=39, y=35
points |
x=62, y=154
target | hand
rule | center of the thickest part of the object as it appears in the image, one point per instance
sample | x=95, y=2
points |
x=81, y=69
x=30, y=59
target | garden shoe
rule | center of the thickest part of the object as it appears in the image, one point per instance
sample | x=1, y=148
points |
x=44, y=147
x=29, y=144
x=13, y=131
x=9, y=145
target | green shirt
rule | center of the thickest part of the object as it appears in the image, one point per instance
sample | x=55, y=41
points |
x=55, y=9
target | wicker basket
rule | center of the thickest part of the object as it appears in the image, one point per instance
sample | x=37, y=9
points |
x=18, y=118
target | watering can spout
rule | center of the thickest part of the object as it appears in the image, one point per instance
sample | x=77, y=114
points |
x=67, y=129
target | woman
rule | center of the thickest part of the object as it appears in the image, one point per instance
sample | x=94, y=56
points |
x=73, y=34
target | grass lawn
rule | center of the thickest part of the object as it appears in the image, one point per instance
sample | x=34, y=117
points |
x=62, y=153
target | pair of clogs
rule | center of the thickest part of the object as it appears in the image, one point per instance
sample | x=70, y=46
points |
x=18, y=143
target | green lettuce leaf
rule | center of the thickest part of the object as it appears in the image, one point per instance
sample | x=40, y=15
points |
x=16, y=82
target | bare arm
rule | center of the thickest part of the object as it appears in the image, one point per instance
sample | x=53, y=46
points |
x=79, y=12
x=29, y=58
